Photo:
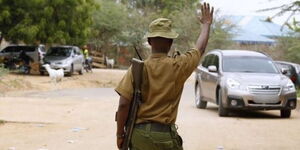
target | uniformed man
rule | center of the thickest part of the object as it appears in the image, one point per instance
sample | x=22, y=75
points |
x=163, y=81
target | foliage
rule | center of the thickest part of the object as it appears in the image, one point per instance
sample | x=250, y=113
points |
x=295, y=25
x=292, y=9
x=46, y=21
x=164, y=7
x=126, y=24
x=109, y=23
x=290, y=45
x=3, y=71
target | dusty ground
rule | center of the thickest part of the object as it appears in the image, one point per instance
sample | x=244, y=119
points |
x=66, y=118
x=19, y=82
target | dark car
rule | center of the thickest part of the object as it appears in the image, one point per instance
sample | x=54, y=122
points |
x=292, y=70
x=12, y=53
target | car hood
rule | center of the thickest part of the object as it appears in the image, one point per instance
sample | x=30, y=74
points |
x=54, y=58
x=258, y=78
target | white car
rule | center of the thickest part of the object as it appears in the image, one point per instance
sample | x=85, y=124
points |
x=68, y=58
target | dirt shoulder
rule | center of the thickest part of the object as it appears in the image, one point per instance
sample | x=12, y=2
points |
x=13, y=82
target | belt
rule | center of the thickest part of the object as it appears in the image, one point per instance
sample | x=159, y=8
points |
x=156, y=127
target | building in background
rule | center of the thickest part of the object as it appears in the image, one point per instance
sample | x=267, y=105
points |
x=255, y=30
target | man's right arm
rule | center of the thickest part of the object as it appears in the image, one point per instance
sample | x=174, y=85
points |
x=206, y=20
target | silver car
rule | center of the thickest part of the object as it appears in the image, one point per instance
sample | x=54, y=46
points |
x=238, y=79
x=68, y=58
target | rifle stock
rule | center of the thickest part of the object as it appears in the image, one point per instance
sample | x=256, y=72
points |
x=137, y=72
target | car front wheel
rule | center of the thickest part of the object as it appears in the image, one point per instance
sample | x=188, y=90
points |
x=199, y=102
x=81, y=70
x=71, y=71
x=285, y=113
x=223, y=112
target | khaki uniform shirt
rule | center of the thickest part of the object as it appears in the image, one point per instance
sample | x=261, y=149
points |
x=163, y=81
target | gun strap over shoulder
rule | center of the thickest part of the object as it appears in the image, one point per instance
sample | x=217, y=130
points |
x=137, y=73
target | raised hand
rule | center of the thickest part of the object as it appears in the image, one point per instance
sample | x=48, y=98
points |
x=206, y=14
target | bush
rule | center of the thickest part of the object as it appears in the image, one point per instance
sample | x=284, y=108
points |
x=3, y=71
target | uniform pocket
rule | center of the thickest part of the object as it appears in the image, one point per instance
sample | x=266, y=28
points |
x=165, y=145
x=163, y=141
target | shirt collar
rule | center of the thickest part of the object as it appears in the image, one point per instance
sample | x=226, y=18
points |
x=158, y=55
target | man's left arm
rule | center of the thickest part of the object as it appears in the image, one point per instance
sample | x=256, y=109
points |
x=122, y=115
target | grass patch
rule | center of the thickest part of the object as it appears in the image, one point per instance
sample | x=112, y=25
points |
x=298, y=92
x=2, y=122
x=3, y=71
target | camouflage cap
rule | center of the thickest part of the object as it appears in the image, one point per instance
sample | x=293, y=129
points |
x=161, y=27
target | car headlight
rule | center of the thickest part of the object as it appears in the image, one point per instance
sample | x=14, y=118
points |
x=233, y=84
x=289, y=86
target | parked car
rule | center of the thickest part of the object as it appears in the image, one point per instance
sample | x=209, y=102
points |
x=68, y=58
x=292, y=71
x=11, y=54
x=239, y=79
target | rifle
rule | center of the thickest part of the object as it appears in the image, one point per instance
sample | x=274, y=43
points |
x=137, y=72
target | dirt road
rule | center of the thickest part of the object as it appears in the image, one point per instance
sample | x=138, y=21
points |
x=83, y=119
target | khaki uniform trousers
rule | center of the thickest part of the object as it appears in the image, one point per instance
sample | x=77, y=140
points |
x=145, y=139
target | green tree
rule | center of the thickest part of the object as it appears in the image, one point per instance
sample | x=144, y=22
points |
x=110, y=21
x=289, y=44
x=46, y=21
x=292, y=9
x=165, y=7
x=291, y=47
x=126, y=24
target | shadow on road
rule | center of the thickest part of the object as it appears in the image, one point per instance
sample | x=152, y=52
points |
x=250, y=114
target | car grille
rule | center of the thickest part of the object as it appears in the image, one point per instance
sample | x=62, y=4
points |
x=264, y=89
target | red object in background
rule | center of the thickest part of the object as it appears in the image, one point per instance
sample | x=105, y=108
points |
x=294, y=78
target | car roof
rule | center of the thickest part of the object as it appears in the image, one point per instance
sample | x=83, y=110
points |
x=288, y=63
x=64, y=46
x=240, y=53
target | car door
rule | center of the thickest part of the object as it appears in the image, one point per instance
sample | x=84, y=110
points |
x=75, y=59
x=212, y=78
x=78, y=58
x=204, y=75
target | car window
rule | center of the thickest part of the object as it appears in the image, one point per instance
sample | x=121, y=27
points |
x=17, y=49
x=298, y=69
x=207, y=60
x=43, y=49
x=59, y=51
x=215, y=61
x=286, y=66
x=248, y=64
x=77, y=51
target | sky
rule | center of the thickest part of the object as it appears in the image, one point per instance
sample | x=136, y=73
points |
x=249, y=7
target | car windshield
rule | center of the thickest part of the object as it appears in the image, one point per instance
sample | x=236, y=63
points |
x=248, y=64
x=17, y=49
x=59, y=51
x=286, y=66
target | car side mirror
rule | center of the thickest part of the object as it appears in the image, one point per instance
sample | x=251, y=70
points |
x=212, y=69
x=284, y=70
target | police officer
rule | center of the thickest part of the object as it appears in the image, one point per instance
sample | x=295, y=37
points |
x=163, y=81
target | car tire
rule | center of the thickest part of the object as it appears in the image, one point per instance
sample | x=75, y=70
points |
x=285, y=113
x=81, y=71
x=199, y=102
x=71, y=71
x=223, y=112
